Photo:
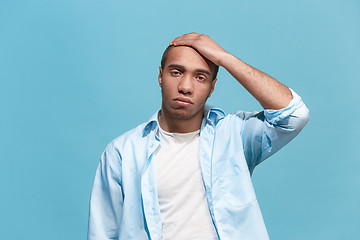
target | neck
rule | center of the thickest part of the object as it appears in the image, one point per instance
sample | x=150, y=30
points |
x=172, y=124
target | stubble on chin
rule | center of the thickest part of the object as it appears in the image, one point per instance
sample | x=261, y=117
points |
x=179, y=114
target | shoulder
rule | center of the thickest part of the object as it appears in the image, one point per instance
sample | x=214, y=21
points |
x=239, y=117
x=136, y=135
x=132, y=136
x=244, y=115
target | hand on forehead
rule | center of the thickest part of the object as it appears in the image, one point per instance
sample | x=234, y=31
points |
x=206, y=46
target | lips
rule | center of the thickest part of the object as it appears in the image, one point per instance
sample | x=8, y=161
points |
x=182, y=100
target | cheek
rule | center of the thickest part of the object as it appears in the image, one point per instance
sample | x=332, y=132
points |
x=205, y=92
x=167, y=90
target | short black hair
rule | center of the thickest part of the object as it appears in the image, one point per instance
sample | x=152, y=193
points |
x=213, y=66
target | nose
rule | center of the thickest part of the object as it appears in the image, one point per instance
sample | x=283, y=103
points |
x=186, y=85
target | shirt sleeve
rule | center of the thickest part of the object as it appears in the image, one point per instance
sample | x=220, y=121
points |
x=264, y=133
x=106, y=201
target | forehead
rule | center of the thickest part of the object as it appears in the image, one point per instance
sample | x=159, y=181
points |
x=188, y=57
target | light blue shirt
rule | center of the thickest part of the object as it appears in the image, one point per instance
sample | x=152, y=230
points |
x=124, y=202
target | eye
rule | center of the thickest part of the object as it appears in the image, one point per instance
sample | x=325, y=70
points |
x=201, y=78
x=175, y=73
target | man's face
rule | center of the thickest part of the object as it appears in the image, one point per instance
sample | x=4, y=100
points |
x=186, y=83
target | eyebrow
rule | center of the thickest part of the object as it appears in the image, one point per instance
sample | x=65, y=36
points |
x=174, y=65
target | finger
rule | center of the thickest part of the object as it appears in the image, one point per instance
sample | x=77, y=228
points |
x=184, y=40
x=184, y=37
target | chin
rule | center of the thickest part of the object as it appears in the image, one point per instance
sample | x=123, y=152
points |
x=181, y=114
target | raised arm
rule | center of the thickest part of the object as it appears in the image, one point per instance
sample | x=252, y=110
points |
x=270, y=93
x=263, y=133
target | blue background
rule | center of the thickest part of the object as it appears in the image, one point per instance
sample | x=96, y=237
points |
x=76, y=74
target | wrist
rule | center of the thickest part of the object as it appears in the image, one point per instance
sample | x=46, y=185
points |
x=225, y=58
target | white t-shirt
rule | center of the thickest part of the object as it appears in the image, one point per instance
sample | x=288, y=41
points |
x=183, y=204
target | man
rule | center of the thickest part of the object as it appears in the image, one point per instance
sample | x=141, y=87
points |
x=185, y=174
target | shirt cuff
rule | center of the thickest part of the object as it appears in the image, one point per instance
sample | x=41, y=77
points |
x=275, y=116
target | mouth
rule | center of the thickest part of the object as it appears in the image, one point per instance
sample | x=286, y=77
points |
x=183, y=101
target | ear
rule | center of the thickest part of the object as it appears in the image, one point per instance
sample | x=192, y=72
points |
x=160, y=76
x=212, y=87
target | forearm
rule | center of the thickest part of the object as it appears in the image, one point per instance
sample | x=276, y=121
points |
x=270, y=93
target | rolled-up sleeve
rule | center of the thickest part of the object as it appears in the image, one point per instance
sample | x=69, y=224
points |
x=106, y=201
x=264, y=133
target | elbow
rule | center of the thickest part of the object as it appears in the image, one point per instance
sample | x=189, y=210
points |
x=305, y=114
x=302, y=116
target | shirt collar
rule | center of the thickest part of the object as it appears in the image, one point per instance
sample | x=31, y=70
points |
x=212, y=116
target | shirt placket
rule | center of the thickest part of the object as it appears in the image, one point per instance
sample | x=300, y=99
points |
x=149, y=193
x=207, y=136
